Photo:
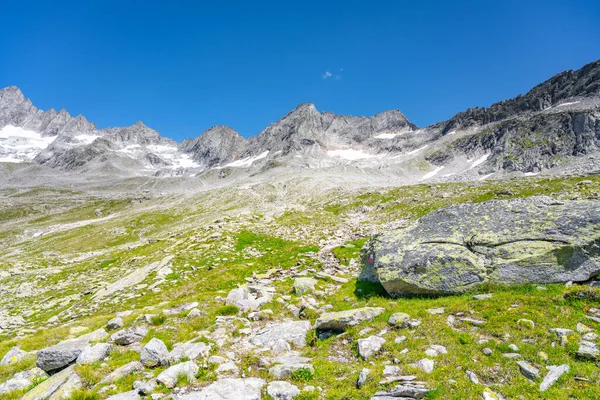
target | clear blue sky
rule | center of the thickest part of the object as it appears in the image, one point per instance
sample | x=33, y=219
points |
x=184, y=66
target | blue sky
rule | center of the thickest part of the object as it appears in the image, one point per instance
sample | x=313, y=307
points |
x=184, y=66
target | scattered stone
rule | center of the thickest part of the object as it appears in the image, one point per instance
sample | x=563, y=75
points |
x=590, y=336
x=281, y=390
x=229, y=389
x=60, y=355
x=127, y=369
x=245, y=300
x=513, y=347
x=128, y=336
x=191, y=350
x=341, y=320
x=369, y=346
x=551, y=377
x=472, y=377
x=94, y=353
x=528, y=370
x=511, y=356
x=194, y=313
x=435, y=350
x=587, y=351
x=169, y=376
x=304, y=285
x=131, y=395
x=472, y=321
x=48, y=387
x=581, y=328
x=293, y=332
x=145, y=388
x=13, y=356
x=124, y=314
x=400, y=339
x=399, y=320
x=181, y=308
x=403, y=392
x=435, y=311
x=154, y=354
x=22, y=380
x=425, y=365
x=362, y=377
x=482, y=296
x=487, y=351
x=489, y=394
x=285, y=365
x=115, y=323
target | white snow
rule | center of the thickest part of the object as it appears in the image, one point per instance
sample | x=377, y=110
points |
x=86, y=139
x=415, y=151
x=18, y=144
x=349, y=154
x=568, y=104
x=450, y=133
x=483, y=178
x=172, y=155
x=386, y=135
x=433, y=173
x=480, y=160
x=531, y=173
x=246, y=162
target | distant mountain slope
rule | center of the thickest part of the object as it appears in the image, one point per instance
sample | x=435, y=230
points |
x=550, y=127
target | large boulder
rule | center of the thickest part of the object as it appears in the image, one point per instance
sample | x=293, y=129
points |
x=342, y=320
x=60, y=355
x=154, y=353
x=453, y=250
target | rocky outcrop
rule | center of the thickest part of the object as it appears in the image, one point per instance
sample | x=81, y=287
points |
x=216, y=146
x=453, y=250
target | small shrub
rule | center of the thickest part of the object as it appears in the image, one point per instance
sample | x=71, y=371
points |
x=158, y=319
x=301, y=375
x=183, y=380
x=79, y=394
x=227, y=310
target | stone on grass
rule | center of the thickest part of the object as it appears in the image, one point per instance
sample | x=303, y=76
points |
x=434, y=255
x=154, y=354
x=589, y=352
x=526, y=323
x=369, y=346
x=45, y=389
x=169, y=377
x=281, y=390
x=94, y=353
x=425, y=364
x=399, y=320
x=229, y=389
x=528, y=370
x=304, y=285
x=285, y=369
x=482, y=296
x=60, y=355
x=293, y=332
x=362, y=377
x=472, y=377
x=115, y=323
x=555, y=372
x=489, y=394
x=128, y=336
x=131, y=395
x=342, y=320
x=487, y=351
x=402, y=392
x=122, y=371
x=22, y=380
x=13, y=356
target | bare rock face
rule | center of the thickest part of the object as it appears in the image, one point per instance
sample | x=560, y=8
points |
x=216, y=146
x=453, y=250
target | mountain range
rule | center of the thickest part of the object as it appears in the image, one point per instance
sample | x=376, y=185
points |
x=554, y=127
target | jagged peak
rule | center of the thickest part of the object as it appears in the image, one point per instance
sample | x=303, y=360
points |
x=12, y=93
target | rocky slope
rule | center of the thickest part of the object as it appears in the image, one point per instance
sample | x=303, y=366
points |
x=555, y=127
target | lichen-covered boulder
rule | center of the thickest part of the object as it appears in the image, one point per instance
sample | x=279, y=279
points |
x=453, y=250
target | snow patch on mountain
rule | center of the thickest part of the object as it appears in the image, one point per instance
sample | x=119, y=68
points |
x=20, y=145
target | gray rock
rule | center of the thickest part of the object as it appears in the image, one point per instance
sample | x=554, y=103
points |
x=528, y=370
x=60, y=355
x=131, y=395
x=399, y=320
x=13, y=356
x=341, y=320
x=402, y=392
x=462, y=247
x=293, y=332
x=284, y=370
x=587, y=351
x=122, y=371
x=22, y=380
x=115, y=323
x=181, y=308
x=281, y=390
x=426, y=365
x=94, y=353
x=244, y=299
x=487, y=351
x=190, y=350
x=169, y=376
x=304, y=285
x=145, y=388
x=362, y=377
x=472, y=377
x=482, y=296
x=369, y=346
x=554, y=374
x=50, y=386
x=154, y=353
x=229, y=389
x=130, y=335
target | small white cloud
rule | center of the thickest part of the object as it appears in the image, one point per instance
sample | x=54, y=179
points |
x=329, y=75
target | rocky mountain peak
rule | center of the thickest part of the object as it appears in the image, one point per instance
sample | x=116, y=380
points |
x=11, y=94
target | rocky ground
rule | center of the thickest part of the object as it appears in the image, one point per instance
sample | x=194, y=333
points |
x=252, y=293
